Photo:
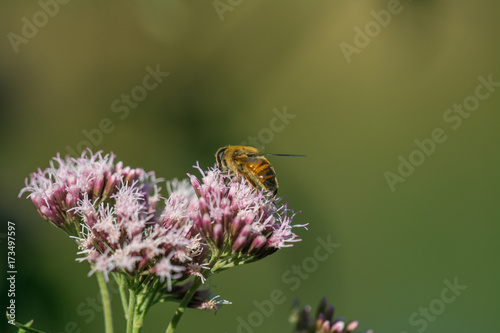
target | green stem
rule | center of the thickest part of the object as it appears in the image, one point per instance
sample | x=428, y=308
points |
x=145, y=300
x=131, y=309
x=140, y=312
x=183, y=305
x=120, y=280
x=137, y=316
x=106, y=303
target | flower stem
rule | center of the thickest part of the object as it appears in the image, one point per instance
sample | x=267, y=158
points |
x=131, y=309
x=123, y=292
x=144, y=301
x=183, y=305
x=106, y=303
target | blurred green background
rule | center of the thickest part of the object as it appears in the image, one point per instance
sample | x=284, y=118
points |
x=353, y=115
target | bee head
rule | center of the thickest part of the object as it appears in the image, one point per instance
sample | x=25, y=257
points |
x=219, y=158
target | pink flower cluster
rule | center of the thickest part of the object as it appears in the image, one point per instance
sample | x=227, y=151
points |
x=126, y=237
x=205, y=226
x=239, y=223
x=59, y=188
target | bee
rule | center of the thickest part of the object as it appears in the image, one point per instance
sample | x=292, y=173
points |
x=251, y=164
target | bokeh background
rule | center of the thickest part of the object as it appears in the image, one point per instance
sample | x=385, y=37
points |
x=353, y=116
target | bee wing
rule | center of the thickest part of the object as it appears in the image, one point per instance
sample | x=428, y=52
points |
x=285, y=155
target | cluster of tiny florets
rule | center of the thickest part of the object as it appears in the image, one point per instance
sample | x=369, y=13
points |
x=207, y=224
x=238, y=221
x=58, y=189
x=126, y=237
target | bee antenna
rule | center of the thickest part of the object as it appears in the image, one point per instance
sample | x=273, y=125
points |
x=287, y=155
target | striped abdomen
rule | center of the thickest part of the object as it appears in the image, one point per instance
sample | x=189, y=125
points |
x=261, y=173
